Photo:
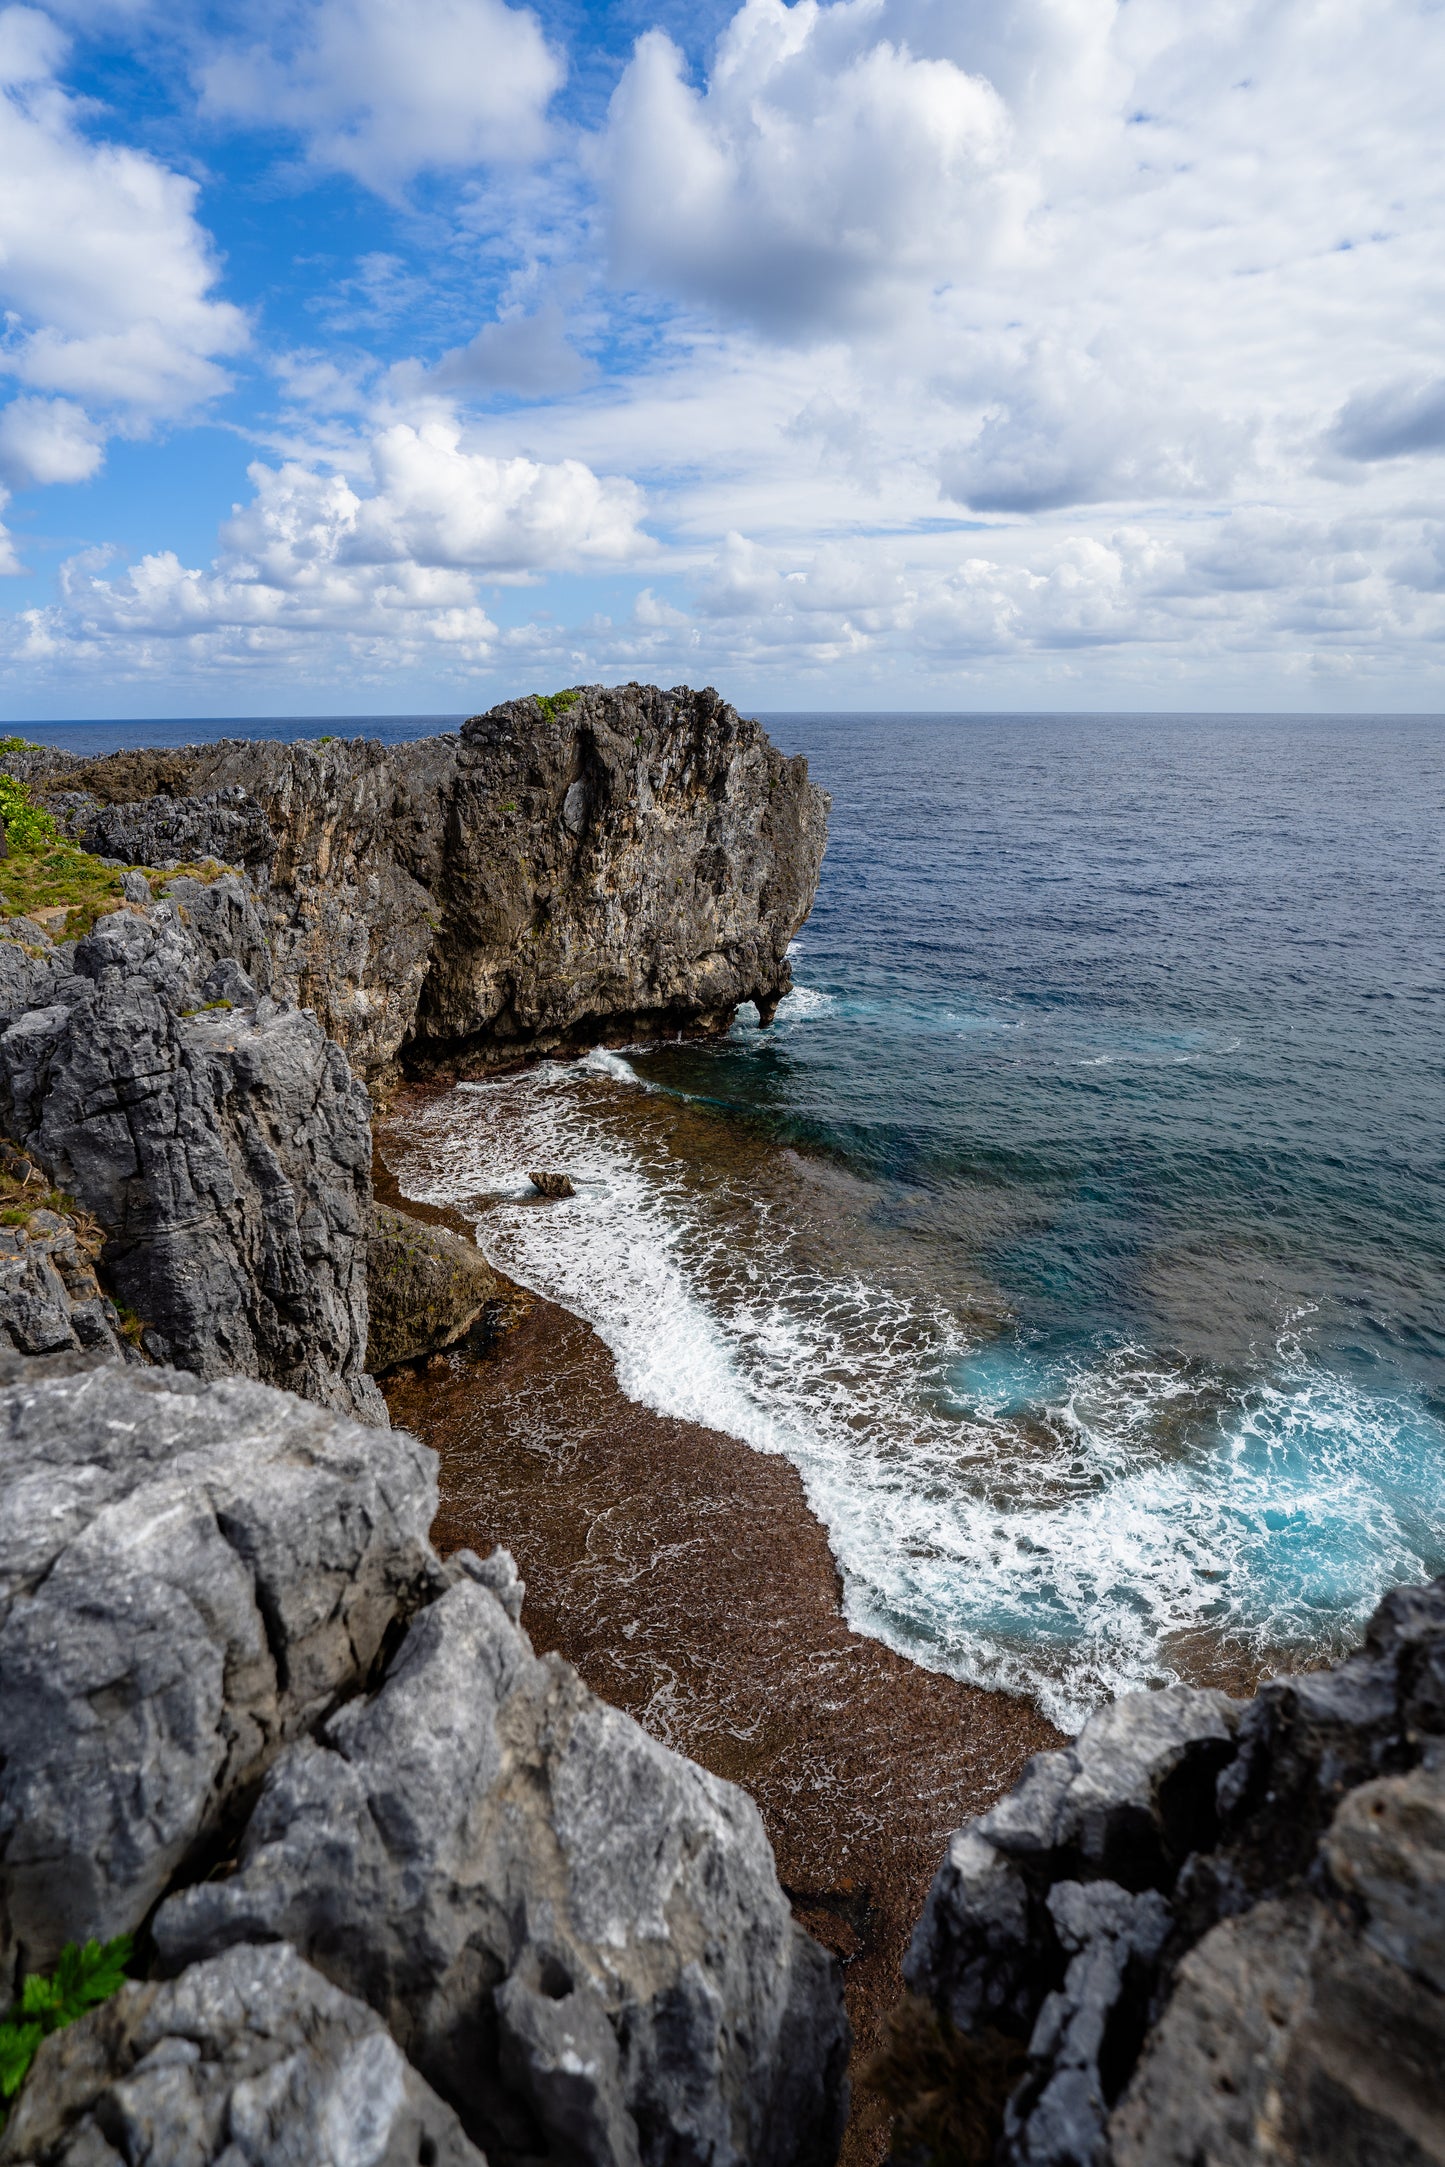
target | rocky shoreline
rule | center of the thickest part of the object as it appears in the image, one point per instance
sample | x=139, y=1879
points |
x=400, y=1889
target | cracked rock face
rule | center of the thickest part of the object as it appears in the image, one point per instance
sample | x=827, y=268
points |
x=635, y=861
x=50, y=1299
x=217, y=1136
x=189, y=1576
x=576, y=1936
x=251, y=2060
x=1218, y=1926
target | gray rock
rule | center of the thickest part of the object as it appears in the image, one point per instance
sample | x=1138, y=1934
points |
x=1263, y=1884
x=252, y=2060
x=225, y=825
x=50, y=1298
x=1056, y=2116
x=225, y=1150
x=189, y=1576
x=575, y=1935
x=635, y=861
x=1288, y=2042
x=425, y=1287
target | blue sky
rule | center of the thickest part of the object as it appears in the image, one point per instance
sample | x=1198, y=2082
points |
x=396, y=355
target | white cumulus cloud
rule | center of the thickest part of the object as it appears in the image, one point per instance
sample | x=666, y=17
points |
x=105, y=274
x=312, y=560
x=385, y=89
x=821, y=167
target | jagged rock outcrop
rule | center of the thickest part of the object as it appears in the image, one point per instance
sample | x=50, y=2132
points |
x=1218, y=1926
x=575, y=1936
x=225, y=825
x=251, y=2060
x=189, y=1575
x=426, y=1287
x=216, y=1135
x=624, y=861
x=50, y=1298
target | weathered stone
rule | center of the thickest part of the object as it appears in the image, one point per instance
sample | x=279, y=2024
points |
x=552, y=1185
x=219, y=1139
x=50, y=1298
x=189, y=1576
x=251, y=2060
x=1307, y=2030
x=1288, y=2043
x=577, y=1936
x=425, y=1287
x=225, y=825
x=636, y=860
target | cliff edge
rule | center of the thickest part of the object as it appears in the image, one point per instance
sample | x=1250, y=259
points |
x=608, y=862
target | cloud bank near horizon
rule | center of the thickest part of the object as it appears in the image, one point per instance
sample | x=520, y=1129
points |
x=844, y=351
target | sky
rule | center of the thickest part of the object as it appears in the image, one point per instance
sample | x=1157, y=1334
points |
x=382, y=356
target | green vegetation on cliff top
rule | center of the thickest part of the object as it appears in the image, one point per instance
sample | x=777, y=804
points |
x=43, y=871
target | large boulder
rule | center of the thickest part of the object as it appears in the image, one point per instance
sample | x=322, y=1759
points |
x=576, y=1936
x=1215, y=1929
x=252, y=2060
x=189, y=1577
x=425, y=1288
x=216, y=1135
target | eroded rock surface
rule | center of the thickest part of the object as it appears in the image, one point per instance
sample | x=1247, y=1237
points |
x=426, y=1287
x=50, y=1298
x=634, y=861
x=217, y=1136
x=189, y=1575
x=251, y=2060
x=576, y=1936
x=1218, y=1926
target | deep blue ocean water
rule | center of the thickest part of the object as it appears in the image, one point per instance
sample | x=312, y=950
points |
x=1078, y=1230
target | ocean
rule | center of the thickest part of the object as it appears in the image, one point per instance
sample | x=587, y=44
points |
x=1077, y=1228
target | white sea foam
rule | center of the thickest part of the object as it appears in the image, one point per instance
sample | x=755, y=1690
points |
x=1066, y=1529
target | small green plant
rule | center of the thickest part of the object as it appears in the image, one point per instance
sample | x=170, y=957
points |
x=328, y=740
x=554, y=704
x=86, y=1974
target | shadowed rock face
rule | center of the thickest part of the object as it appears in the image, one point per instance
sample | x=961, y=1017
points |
x=636, y=861
x=1218, y=1926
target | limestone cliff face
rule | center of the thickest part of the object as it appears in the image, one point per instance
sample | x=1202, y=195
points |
x=632, y=861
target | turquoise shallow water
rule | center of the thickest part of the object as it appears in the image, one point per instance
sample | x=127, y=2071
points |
x=1078, y=1228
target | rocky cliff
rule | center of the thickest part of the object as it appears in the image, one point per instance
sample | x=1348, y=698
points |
x=1208, y=1933
x=606, y=863
x=411, y=1892
x=191, y=1072
x=215, y=1137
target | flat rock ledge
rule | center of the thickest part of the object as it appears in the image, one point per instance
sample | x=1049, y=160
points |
x=402, y=1880
x=1208, y=1933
